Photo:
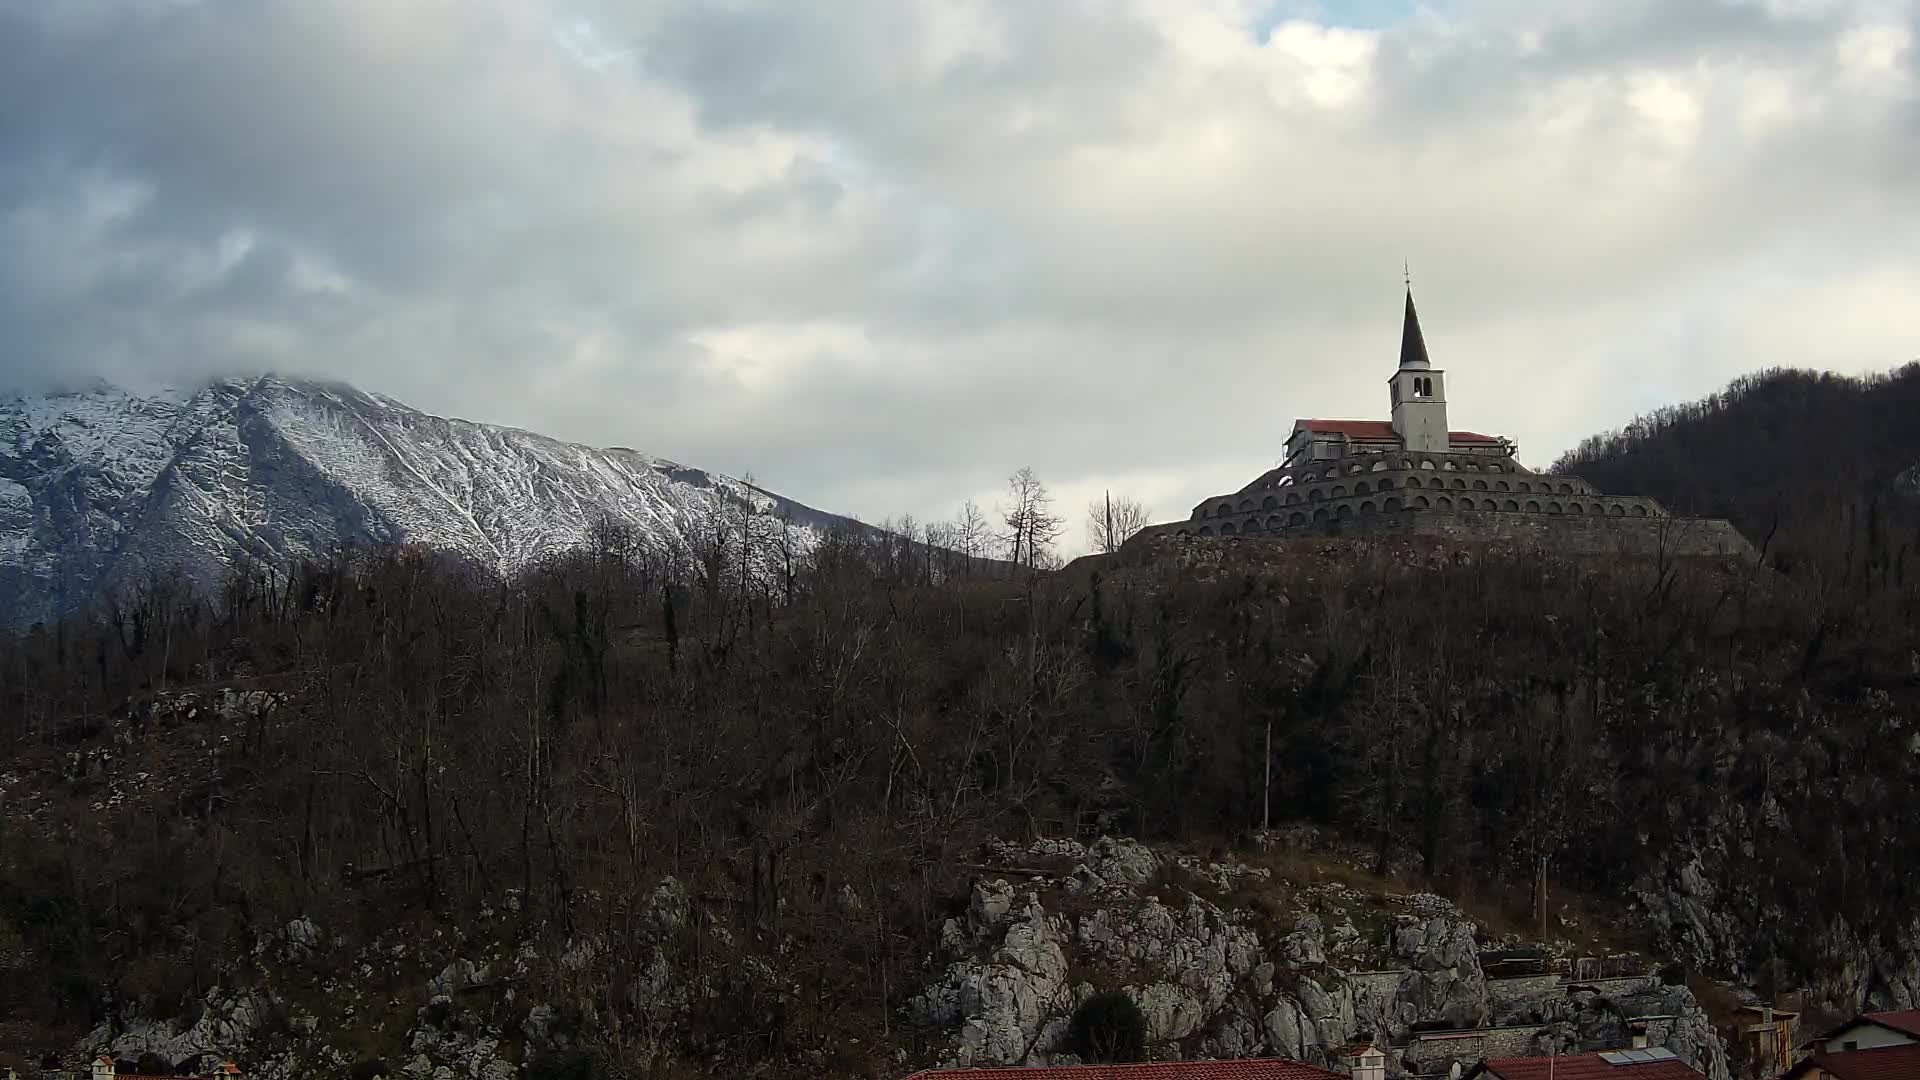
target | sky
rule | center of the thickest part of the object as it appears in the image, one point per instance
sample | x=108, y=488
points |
x=879, y=254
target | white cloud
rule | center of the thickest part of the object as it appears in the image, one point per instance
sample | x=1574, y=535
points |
x=882, y=252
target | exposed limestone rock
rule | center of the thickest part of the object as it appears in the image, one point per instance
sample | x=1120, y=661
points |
x=226, y=1027
x=986, y=913
x=1172, y=1012
x=1680, y=898
x=1208, y=983
x=1286, y=1028
x=455, y=977
x=1116, y=860
x=1002, y=1002
x=458, y=1055
x=1199, y=948
x=1307, y=945
x=1445, y=983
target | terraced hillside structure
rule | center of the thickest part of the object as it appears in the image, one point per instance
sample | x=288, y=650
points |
x=1415, y=475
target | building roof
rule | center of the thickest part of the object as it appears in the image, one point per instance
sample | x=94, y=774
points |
x=1904, y=1021
x=1413, y=344
x=1379, y=429
x=1880, y=1063
x=1612, y=1065
x=1250, y=1069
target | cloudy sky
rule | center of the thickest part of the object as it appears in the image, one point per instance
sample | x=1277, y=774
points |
x=879, y=253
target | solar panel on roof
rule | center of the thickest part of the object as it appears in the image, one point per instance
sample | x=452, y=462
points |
x=1637, y=1057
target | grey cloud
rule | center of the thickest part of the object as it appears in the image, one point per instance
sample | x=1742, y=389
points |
x=1112, y=240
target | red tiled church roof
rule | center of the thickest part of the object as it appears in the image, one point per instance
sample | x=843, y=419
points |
x=1381, y=429
x=1256, y=1069
x=1352, y=429
x=1587, y=1067
x=1878, y=1063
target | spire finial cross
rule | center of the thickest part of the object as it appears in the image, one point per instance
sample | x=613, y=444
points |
x=1407, y=273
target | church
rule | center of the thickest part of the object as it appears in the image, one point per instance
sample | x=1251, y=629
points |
x=1414, y=474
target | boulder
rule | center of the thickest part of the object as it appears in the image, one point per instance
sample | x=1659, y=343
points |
x=1115, y=859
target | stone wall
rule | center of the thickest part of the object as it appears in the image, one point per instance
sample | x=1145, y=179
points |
x=1619, y=985
x=1575, y=535
x=1435, y=1053
x=1506, y=996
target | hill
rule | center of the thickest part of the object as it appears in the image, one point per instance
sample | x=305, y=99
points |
x=1806, y=458
x=104, y=488
x=597, y=815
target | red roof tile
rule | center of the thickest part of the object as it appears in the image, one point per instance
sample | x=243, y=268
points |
x=1253, y=1069
x=1381, y=429
x=1907, y=1020
x=1587, y=1067
x=1352, y=429
x=1879, y=1063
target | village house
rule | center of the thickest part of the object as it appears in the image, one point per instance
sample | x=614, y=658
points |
x=1767, y=1033
x=104, y=1069
x=1871, y=1046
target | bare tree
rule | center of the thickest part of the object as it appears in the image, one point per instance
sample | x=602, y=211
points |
x=1032, y=526
x=970, y=533
x=1112, y=521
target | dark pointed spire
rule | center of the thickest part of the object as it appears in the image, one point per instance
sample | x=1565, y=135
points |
x=1413, y=345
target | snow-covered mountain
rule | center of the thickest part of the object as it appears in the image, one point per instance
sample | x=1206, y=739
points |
x=99, y=487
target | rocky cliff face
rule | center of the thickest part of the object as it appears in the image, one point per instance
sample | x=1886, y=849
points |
x=103, y=487
x=1220, y=982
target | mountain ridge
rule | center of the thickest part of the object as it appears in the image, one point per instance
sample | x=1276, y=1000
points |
x=103, y=485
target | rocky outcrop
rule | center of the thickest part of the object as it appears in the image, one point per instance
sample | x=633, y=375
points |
x=1218, y=982
x=1002, y=1000
x=227, y=1024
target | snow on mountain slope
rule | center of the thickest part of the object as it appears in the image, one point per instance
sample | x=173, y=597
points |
x=101, y=486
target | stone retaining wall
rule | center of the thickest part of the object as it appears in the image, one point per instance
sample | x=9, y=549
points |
x=1505, y=995
x=1636, y=537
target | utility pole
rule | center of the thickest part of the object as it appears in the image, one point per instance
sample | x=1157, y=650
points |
x=1266, y=785
x=1541, y=890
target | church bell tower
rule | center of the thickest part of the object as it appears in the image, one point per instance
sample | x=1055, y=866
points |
x=1419, y=392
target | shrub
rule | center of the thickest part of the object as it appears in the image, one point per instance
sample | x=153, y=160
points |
x=368, y=1069
x=568, y=1065
x=1109, y=1029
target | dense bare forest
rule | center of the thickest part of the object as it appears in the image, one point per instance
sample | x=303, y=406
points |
x=814, y=743
x=1806, y=458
